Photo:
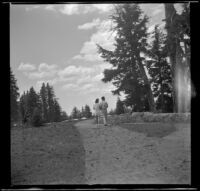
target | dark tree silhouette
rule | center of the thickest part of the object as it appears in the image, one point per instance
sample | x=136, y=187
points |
x=119, y=107
x=14, y=95
x=160, y=72
x=128, y=72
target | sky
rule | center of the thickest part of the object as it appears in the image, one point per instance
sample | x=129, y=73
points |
x=56, y=43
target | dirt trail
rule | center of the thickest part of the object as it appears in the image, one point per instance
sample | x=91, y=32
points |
x=91, y=154
x=116, y=155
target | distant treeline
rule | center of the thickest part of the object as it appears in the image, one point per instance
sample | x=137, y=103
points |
x=36, y=108
x=33, y=107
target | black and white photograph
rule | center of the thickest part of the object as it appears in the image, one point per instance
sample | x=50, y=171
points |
x=100, y=94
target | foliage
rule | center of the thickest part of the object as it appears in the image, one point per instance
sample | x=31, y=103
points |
x=45, y=101
x=44, y=97
x=75, y=113
x=14, y=95
x=36, y=119
x=56, y=111
x=160, y=72
x=178, y=44
x=64, y=116
x=128, y=73
x=119, y=107
x=87, y=112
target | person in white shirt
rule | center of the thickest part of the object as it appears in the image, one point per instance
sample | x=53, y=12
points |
x=103, y=107
x=97, y=110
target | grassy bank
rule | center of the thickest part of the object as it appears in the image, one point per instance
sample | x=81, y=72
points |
x=50, y=154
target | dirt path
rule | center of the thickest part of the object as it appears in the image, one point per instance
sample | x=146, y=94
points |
x=116, y=155
x=89, y=154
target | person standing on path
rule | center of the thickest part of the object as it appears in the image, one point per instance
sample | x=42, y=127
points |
x=97, y=110
x=103, y=107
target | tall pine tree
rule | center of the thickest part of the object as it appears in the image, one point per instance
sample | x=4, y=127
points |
x=57, y=111
x=32, y=101
x=43, y=95
x=128, y=72
x=160, y=72
x=50, y=101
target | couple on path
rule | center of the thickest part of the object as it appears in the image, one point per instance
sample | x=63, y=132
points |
x=101, y=109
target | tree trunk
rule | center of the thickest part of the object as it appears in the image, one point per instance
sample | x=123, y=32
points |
x=161, y=90
x=170, y=12
x=147, y=86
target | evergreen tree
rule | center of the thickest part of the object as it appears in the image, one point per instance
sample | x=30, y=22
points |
x=83, y=112
x=119, y=107
x=14, y=95
x=29, y=101
x=88, y=112
x=128, y=72
x=160, y=72
x=79, y=114
x=74, y=113
x=50, y=101
x=36, y=119
x=64, y=116
x=23, y=106
x=33, y=101
x=57, y=111
x=43, y=95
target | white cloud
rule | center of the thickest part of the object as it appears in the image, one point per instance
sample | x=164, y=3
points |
x=87, y=86
x=102, y=8
x=26, y=67
x=70, y=9
x=74, y=9
x=89, y=25
x=50, y=7
x=31, y=7
x=84, y=79
x=98, y=77
x=103, y=36
x=44, y=70
x=74, y=70
x=43, y=67
x=70, y=87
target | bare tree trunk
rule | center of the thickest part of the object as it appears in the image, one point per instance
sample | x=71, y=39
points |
x=148, y=87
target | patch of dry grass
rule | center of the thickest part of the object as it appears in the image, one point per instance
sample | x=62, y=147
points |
x=51, y=154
